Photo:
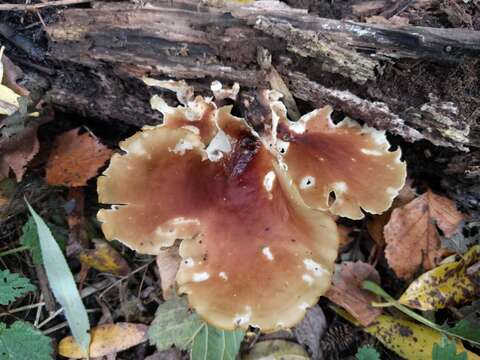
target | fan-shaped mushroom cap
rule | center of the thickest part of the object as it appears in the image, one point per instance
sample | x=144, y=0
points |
x=350, y=161
x=253, y=252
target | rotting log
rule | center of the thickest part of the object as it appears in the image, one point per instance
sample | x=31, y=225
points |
x=104, y=52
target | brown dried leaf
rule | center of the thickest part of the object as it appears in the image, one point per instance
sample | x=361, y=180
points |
x=75, y=159
x=11, y=73
x=344, y=235
x=168, y=262
x=412, y=236
x=376, y=224
x=347, y=291
x=25, y=147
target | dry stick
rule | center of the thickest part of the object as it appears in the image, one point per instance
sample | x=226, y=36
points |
x=84, y=293
x=31, y=7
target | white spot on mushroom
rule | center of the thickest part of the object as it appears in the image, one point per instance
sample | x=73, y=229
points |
x=220, y=144
x=308, y=279
x=303, y=306
x=268, y=181
x=182, y=220
x=282, y=146
x=242, y=319
x=189, y=262
x=371, y=152
x=268, y=253
x=157, y=103
x=182, y=146
x=136, y=148
x=192, y=128
x=392, y=191
x=199, y=277
x=307, y=182
x=297, y=127
x=314, y=267
x=216, y=86
x=223, y=275
x=340, y=186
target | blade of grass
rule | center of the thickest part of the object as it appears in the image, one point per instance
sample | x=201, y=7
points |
x=371, y=286
x=62, y=283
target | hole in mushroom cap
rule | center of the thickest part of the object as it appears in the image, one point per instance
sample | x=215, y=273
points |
x=307, y=182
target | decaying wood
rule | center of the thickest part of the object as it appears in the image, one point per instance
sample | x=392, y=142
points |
x=105, y=51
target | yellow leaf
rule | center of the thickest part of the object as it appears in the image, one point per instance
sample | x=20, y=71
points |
x=447, y=284
x=105, y=258
x=408, y=339
x=106, y=339
x=8, y=101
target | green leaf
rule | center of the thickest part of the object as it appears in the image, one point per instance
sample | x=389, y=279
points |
x=62, y=283
x=22, y=342
x=367, y=353
x=466, y=329
x=447, y=350
x=175, y=324
x=13, y=286
x=29, y=239
x=216, y=344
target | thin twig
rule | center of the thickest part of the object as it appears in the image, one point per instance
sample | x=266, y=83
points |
x=84, y=293
x=125, y=278
x=31, y=7
x=13, y=251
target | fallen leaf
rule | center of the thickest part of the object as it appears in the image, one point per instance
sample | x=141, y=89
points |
x=24, y=147
x=461, y=241
x=447, y=284
x=75, y=159
x=447, y=350
x=168, y=262
x=468, y=329
x=344, y=234
x=61, y=282
x=411, y=234
x=11, y=74
x=347, y=291
x=310, y=331
x=106, y=339
x=408, y=339
x=105, y=258
x=376, y=223
x=277, y=350
x=175, y=324
x=8, y=101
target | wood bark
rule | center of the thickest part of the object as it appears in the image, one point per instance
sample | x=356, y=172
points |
x=104, y=52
